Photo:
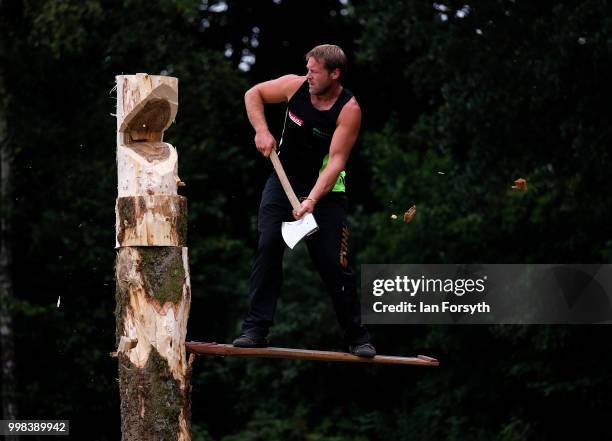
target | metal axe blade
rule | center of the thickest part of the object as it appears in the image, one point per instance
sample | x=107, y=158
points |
x=295, y=231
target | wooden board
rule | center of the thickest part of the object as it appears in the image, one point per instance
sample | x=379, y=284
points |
x=224, y=350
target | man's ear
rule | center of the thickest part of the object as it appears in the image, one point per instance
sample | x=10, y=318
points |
x=335, y=74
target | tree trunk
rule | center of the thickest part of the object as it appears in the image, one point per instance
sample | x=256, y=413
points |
x=152, y=271
x=7, y=350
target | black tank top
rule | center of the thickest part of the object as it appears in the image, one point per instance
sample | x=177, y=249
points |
x=307, y=134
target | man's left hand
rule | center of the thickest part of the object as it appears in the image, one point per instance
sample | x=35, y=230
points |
x=306, y=207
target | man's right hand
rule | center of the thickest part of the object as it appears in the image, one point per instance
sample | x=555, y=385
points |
x=265, y=142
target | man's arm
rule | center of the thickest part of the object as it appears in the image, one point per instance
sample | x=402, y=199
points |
x=343, y=139
x=273, y=91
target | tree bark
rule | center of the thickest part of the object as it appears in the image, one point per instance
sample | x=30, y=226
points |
x=153, y=292
x=7, y=349
x=151, y=220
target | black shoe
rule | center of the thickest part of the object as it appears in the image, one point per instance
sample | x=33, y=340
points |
x=363, y=350
x=250, y=341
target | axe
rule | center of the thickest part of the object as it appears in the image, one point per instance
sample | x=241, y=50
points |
x=295, y=231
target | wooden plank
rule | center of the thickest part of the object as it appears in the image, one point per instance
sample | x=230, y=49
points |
x=225, y=350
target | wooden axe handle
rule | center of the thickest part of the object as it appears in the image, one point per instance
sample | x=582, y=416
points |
x=295, y=203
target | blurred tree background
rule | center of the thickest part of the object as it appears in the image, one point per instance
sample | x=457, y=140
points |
x=459, y=99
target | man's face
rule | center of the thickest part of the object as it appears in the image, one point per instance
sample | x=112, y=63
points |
x=319, y=78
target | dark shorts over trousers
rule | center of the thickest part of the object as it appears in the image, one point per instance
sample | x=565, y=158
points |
x=325, y=248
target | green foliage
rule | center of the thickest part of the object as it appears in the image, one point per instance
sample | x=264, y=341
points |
x=459, y=100
x=63, y=27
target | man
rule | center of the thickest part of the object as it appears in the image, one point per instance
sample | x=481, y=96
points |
x=321, y=125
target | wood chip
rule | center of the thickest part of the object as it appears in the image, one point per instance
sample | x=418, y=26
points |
x=520, y=184
x=408, y=215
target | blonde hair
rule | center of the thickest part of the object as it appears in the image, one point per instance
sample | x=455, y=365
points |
x=332, y=55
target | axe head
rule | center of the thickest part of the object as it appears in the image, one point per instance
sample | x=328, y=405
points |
x=295, y=231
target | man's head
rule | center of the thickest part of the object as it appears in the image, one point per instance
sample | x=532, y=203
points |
x=326, y=64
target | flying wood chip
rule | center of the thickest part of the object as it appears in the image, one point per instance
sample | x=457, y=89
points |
x=520, y=184
x=408, y=215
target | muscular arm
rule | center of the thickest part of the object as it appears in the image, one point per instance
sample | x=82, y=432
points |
x=273, y=91
x=343, y=139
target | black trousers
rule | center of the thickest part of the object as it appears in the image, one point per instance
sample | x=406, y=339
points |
x=328, y=251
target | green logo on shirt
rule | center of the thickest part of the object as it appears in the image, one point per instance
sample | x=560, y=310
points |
x=320, y=133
